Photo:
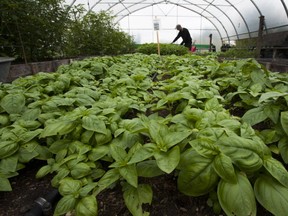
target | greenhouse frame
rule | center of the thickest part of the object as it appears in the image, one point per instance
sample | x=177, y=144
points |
x=226, y=20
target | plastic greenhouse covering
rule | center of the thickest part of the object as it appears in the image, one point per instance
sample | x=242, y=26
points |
x=226, y=20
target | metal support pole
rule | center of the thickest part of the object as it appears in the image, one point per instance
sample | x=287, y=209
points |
x=260, y=36
x=210, y=43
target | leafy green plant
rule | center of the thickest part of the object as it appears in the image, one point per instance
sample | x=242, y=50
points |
x=65, y=31
x=165, y=49
x=112, y=120
x=238, y=53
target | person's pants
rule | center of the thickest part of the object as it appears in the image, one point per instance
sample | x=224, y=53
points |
x=188, y=45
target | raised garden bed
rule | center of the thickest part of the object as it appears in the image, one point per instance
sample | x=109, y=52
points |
x=148, y=132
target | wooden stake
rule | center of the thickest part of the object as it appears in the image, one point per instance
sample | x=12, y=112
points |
x=158, y=43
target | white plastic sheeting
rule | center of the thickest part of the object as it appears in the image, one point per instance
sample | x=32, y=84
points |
x=226, y=20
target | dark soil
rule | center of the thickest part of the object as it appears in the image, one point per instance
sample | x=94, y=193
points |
x=167, y=201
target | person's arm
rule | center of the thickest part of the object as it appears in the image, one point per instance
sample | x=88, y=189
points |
x=176, y=38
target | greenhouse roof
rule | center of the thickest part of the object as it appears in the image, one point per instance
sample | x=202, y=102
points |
x=227, y=20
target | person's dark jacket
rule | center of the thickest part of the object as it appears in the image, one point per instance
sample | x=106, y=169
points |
x=185, y=35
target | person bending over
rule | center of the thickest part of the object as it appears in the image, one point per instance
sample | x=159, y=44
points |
x=185, y=35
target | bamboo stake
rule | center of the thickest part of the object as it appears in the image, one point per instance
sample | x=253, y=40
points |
x=158, y=42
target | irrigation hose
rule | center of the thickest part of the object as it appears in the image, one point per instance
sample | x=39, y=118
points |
x=43, y=206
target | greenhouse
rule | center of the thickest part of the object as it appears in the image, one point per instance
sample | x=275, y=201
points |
x=149, y=107
x=228, y=21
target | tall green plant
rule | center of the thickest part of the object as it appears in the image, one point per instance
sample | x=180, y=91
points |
x=39, y=30
x=32, y=29
x=95, y=34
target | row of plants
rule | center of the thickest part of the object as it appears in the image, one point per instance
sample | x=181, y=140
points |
x=174, y=49
x=165, y=49
x=37, y=30
x=235, y=52
x=220, y=128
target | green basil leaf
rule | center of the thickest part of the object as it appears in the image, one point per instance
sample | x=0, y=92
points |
x=129, y=173
x=5, y=184
x=133, y=149
x=25, y=155
x=80, y=170
x=270, y=136
x=283, y=147
x=118, y=153
x=205, y=147
x=257, y=75
x=98, y=152
x=223, y=166
x=43, y=171
x=59, y=145
x=62, y=173
x=94, y=123
x=237, y=198
x=181, y=119
x=118, y=132
x=84, y=100
x=213, y=104
x=277, y=170
x=72, y=160
x=43, y=153
x=84, y=191
x=197, y=175
x=227, y=143
x=173, y=138
x=254, y=116
x=29, y=135
x=148, y=169
x=86, y=136
x=57, y=101
x=69, y=186
x=284, y=121
x=4, y=119
x=102, y=139
x=9, y=164
x=13, y=103
x=133, y=125
x=8, y=148
x=135, y=197
x=231, y=124
x=245, y=159
x=65, y=204
x=272, y=111
x=87, y=206
x=272, y=195
x=168, y=161
x=161, y=103
x=108, y=178
x=255, y=89
x=31, y=114
x=272, y=94
x=60, y=127
x=205, y=95
x=193, y=114
x=158, y=132
x=144, y=152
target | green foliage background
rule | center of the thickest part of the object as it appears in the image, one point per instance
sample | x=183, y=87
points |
x=35, y=30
